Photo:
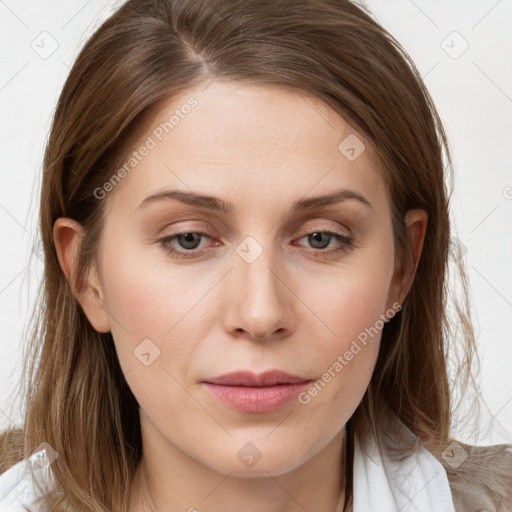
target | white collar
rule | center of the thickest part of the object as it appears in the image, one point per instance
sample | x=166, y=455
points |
x=416, y=484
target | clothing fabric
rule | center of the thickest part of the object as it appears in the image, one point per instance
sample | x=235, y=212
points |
x=20, y=487
x=415, y=484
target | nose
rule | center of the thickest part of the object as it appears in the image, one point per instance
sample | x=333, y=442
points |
x=261, y=302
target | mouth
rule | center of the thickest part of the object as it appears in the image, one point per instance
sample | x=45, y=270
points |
x=257, y=393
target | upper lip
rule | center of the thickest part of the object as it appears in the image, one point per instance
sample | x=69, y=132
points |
x=247, y=378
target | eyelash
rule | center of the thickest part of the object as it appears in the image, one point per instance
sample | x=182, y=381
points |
x=347, y=244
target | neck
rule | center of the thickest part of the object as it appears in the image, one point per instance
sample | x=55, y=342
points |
x=171, y=477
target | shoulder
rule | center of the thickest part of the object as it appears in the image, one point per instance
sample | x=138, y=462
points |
x=480, y=476
x=16, y=489
x=23, y=485
x=477, y=478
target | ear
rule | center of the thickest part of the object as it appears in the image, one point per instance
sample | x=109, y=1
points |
x=67, y=236
x=416, y=225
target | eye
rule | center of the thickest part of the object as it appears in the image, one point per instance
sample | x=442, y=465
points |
x=186, y=244
x=321, y=239
x=188, y=240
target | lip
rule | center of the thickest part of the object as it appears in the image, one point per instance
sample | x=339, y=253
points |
x=250, y=392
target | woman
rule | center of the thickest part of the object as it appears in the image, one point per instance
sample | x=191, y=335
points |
x=246, y=234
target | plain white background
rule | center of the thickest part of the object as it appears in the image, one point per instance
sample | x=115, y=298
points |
x=462, y=48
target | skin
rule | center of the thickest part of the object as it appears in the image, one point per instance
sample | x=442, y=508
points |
x=293, y=308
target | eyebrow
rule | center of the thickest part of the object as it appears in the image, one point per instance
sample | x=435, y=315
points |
x=217, y=204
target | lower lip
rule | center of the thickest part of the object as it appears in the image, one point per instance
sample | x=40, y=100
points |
x=262, y=399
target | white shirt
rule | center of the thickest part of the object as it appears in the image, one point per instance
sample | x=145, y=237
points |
x=416, y=484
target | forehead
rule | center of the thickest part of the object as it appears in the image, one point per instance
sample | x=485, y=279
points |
x=221, y=136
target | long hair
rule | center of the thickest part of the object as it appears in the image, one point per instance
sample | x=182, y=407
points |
x=76, y=397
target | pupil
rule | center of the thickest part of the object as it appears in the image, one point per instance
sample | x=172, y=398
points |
x=189, y=238
x=317, y=238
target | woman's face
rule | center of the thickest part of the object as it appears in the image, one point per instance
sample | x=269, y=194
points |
x=252, y=288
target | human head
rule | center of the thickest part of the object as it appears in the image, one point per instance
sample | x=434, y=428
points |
x=278, y=306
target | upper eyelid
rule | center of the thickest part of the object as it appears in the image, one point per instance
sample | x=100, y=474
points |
x=290, y=228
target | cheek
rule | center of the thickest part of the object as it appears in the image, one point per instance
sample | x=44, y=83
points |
x=347, y=302
x=349, y=309
x=345, y=358
x=145, y=296
x=140, y=303
x=160, y=313
x=153, y=334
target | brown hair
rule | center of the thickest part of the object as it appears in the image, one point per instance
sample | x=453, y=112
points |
x=76, y=396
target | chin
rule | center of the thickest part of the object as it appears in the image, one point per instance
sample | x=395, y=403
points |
x=275, y=465
x=258, y=459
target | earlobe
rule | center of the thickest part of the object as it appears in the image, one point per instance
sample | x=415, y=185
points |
x=67, y=237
